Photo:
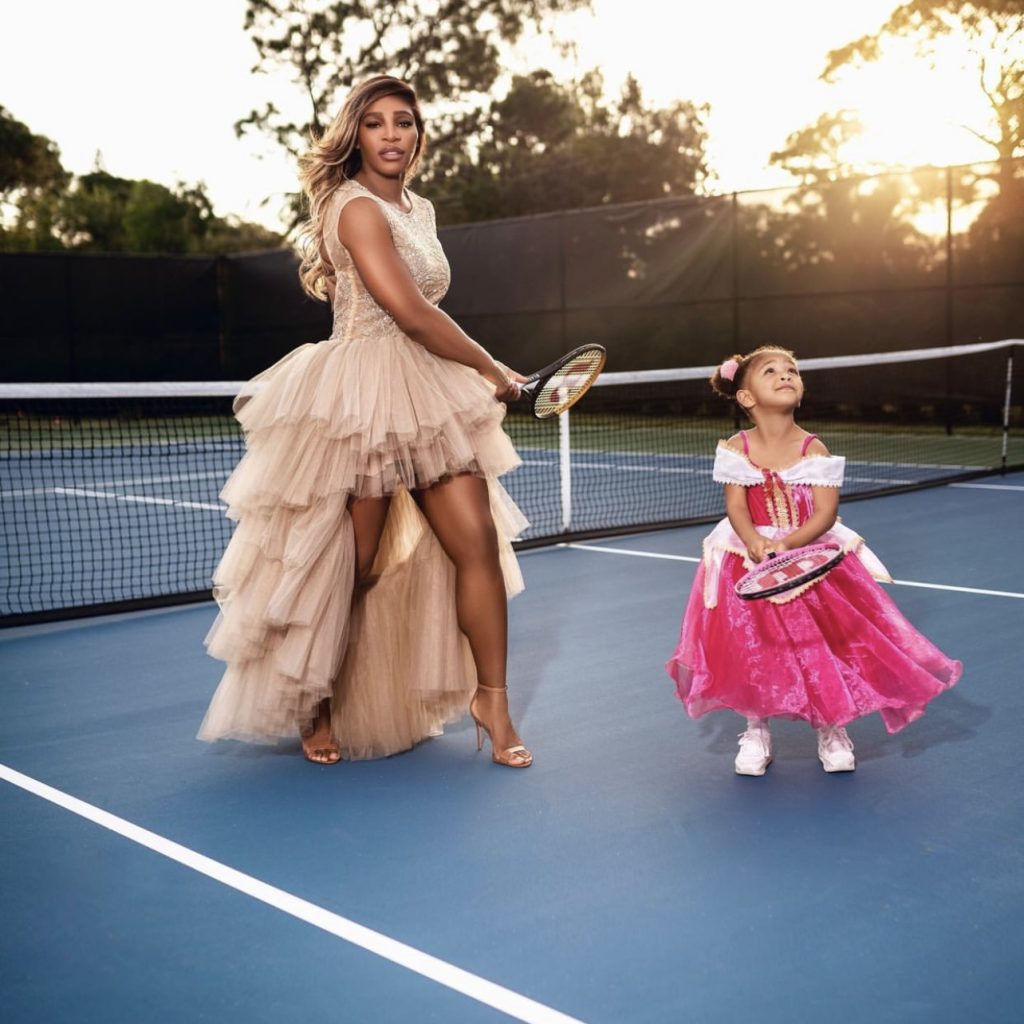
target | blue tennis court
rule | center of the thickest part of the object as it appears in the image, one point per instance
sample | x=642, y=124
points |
x=628, y=876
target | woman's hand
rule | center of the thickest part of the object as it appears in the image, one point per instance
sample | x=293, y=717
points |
x=506, y=383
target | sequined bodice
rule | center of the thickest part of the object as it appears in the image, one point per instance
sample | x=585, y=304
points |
x=356, y=314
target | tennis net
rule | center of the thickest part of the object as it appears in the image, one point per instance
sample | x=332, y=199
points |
x=109, y=492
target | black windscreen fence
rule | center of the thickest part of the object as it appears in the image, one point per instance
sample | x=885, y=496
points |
x=921, y=258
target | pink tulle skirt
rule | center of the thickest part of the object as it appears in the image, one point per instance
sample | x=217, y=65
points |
x=839, y=651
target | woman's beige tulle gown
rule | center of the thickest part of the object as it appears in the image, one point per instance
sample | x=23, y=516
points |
x=367, y=412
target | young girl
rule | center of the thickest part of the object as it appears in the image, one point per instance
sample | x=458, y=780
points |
x=828, y=653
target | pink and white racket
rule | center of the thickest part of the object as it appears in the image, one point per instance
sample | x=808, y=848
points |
x=788, y=570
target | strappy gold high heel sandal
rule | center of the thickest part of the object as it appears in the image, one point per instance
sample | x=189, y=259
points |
x=514, y=757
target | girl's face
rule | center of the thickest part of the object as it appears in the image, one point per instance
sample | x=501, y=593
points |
x=388, y=136
x=772, y=383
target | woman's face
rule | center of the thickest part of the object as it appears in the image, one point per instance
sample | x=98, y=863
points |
x=388, y=136
x=773, y=382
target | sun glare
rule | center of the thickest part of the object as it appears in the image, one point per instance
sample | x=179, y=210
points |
x=914, y=114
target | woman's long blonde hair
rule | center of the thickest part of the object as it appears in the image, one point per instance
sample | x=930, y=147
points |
x=332, y=159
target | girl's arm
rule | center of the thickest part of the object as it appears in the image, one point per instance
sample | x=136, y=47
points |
x=739, y=518
x=364, y=231
x=826, y=507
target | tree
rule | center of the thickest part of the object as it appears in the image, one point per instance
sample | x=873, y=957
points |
x=552, y=146
x=105, y=213
x=815, y=153
x=27, y=160
x=100, y=212
x=450, y=50
x=31, y=177
x=993, y=36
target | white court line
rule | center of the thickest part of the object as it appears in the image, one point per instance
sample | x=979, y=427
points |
x=690, y=558
x=140, y=499
x=991, y=487
x=178, y=478
x=959, y=590
x=635, y=554
x=483, y=991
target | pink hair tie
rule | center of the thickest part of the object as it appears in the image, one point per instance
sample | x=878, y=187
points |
x=728, y=369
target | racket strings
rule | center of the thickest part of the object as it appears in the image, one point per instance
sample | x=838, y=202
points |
x=568, y=384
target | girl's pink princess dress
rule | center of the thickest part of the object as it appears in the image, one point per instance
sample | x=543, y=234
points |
x=829, y=653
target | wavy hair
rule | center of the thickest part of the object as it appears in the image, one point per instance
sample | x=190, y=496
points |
x=333, y=158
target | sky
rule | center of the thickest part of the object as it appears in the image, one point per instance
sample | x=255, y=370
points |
x=156, y=87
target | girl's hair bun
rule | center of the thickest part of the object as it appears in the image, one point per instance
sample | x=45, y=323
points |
x=728, y=377
x=724, y=379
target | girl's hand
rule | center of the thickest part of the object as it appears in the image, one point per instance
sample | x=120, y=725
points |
x=757, y=550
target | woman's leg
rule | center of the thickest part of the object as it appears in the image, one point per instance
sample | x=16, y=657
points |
x=459, y=512
x=368, y=518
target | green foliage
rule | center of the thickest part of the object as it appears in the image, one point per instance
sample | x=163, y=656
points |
x=31, y=175
x=544, y=146
x=552, y=146
x=27, y=161
x=100, y=212
x=449, y=49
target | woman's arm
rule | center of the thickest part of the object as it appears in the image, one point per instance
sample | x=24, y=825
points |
x=364, y=231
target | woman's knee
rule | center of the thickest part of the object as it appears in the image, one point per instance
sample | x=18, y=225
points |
x=477, y=544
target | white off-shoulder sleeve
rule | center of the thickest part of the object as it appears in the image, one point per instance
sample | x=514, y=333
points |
x=816, y=471
x=732, y=468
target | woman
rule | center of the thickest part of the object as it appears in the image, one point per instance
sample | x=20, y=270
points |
x=363, y=594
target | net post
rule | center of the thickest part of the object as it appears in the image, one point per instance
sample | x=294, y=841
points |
x=1006, y=411
x=565, y=469
x=949, y=299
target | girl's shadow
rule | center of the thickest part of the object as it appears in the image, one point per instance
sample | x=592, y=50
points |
x=950, y=718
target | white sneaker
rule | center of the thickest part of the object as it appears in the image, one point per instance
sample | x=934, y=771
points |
x=835, y=749
x=755, y=752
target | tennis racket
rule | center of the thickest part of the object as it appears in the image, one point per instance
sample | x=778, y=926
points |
x=788, y=570
x=562, y=384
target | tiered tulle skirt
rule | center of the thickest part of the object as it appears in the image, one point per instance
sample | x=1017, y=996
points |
x=330, y=423
x=839, y=651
